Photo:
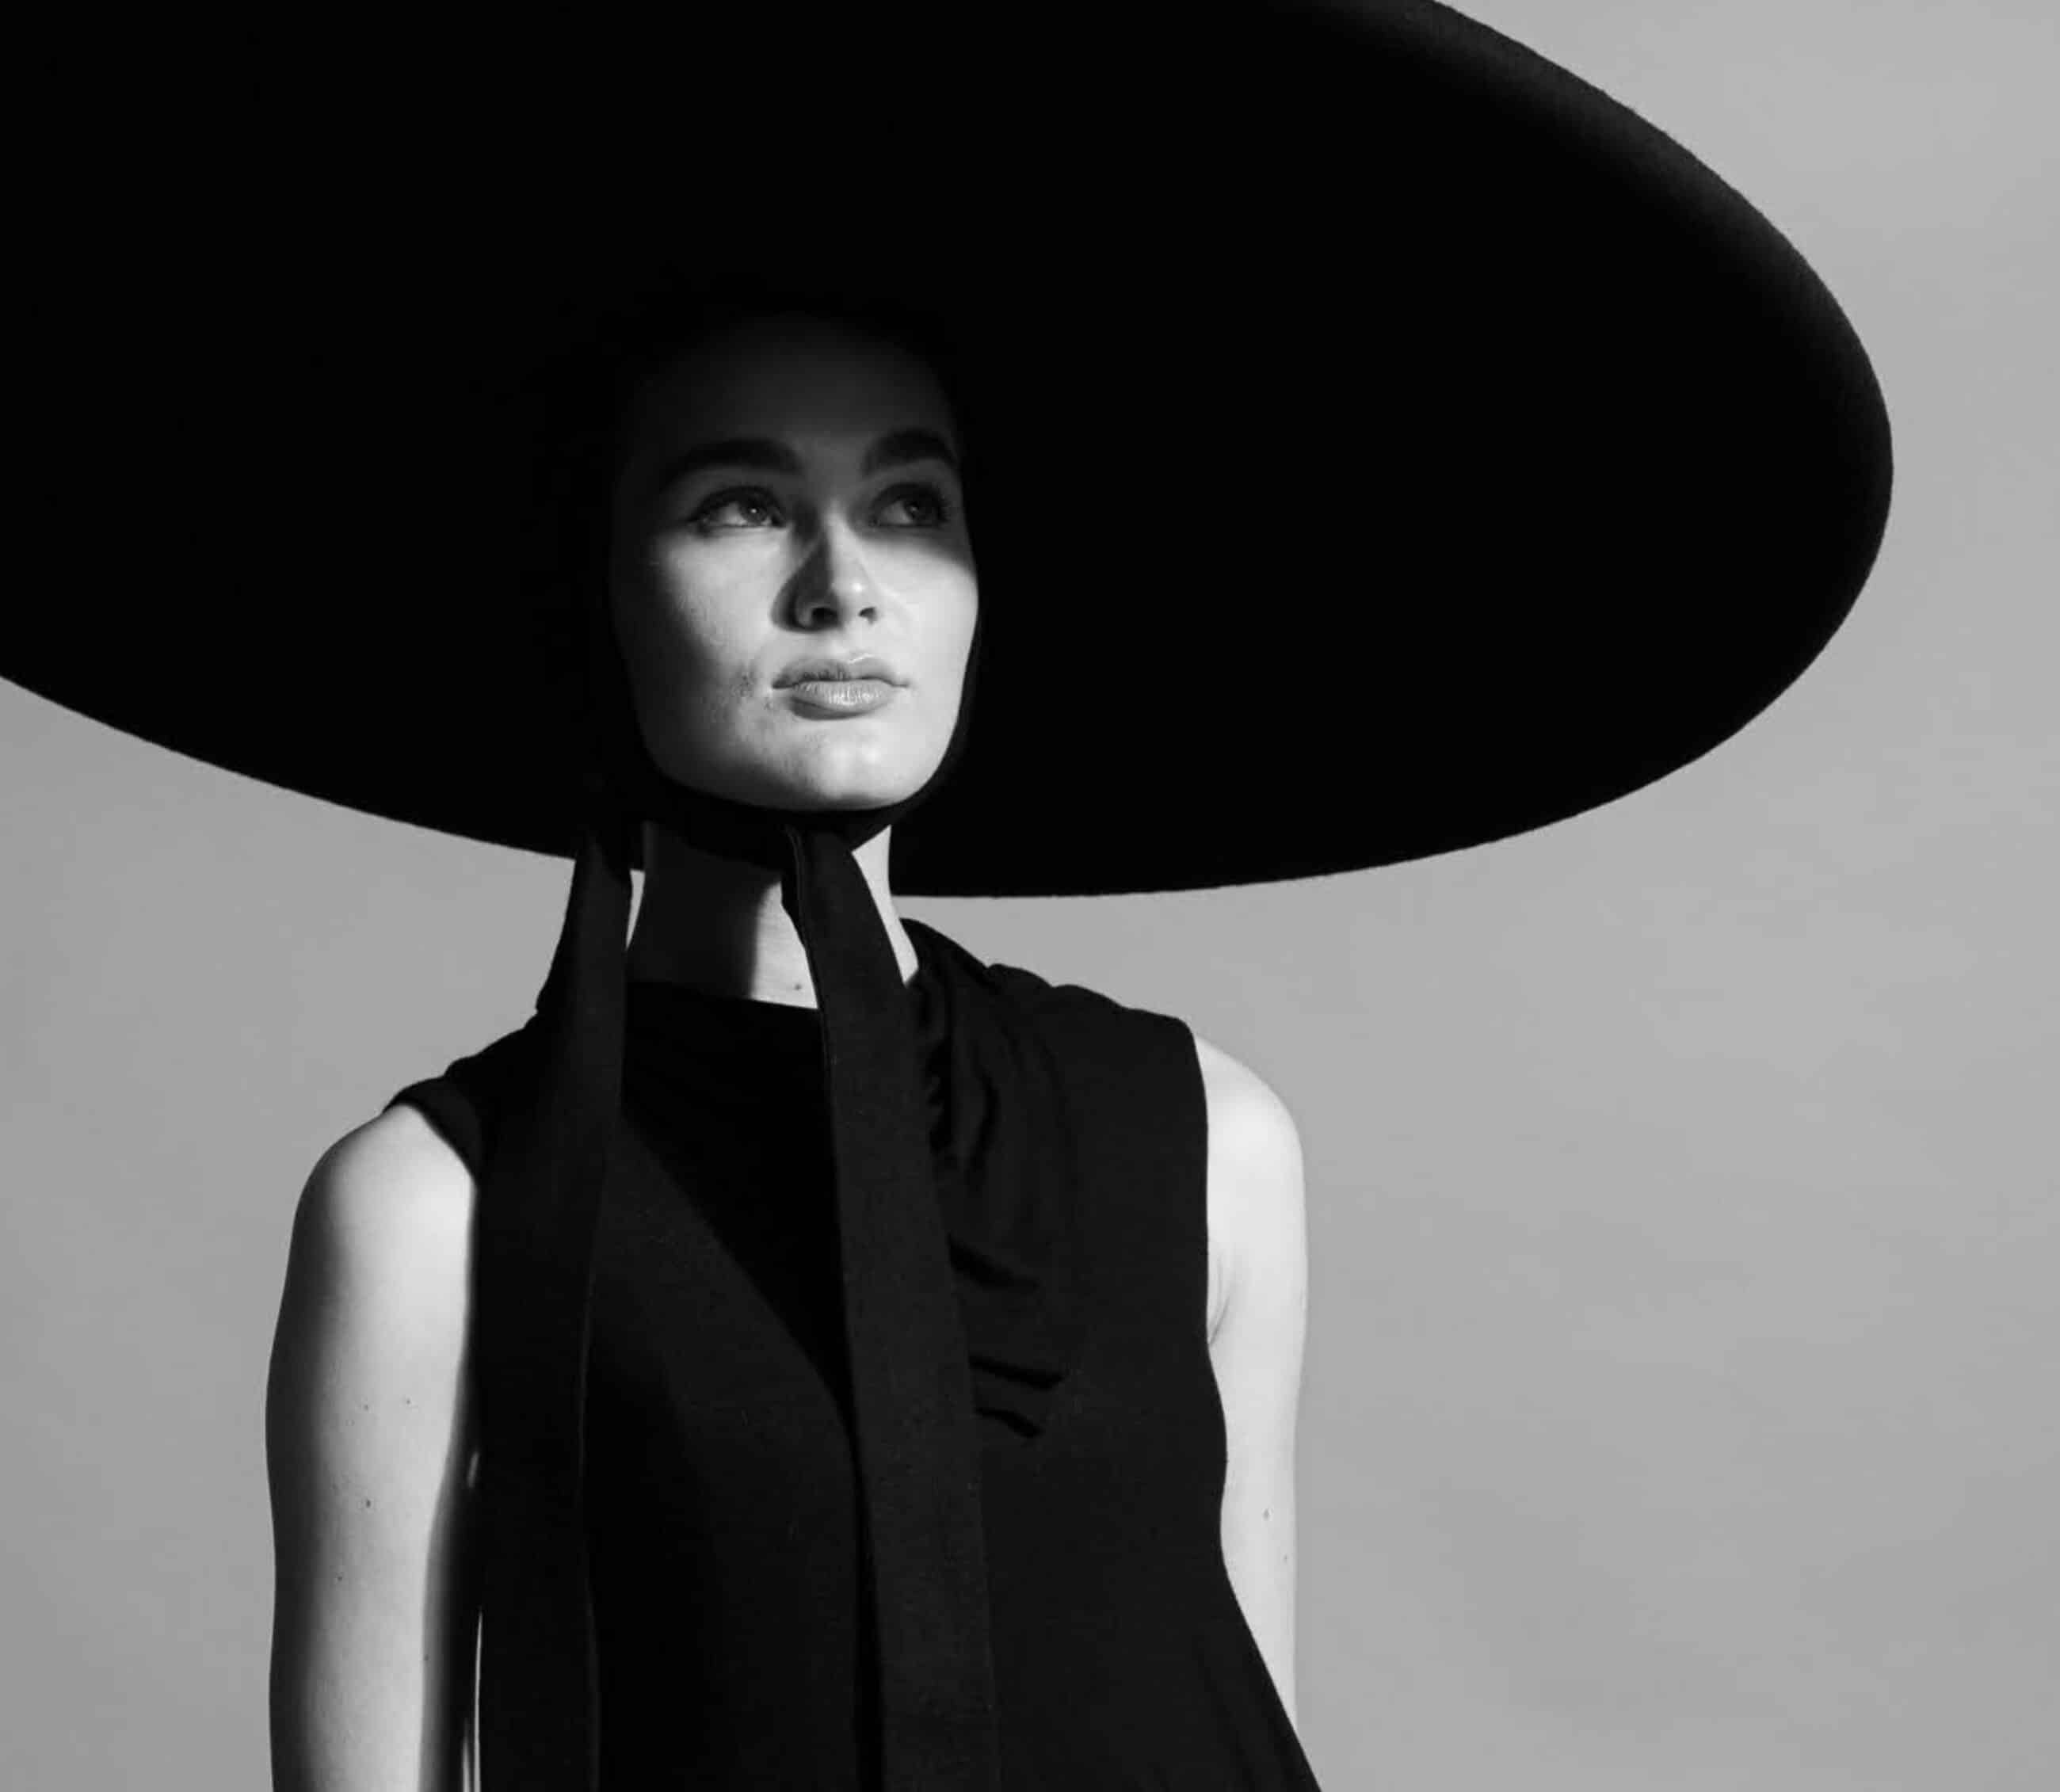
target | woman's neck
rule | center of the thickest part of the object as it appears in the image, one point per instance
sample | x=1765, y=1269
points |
x=718, y=924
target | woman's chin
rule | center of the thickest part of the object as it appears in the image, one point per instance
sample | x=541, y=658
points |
x=848, y=799
x=818, y=793
x=824, y=783
x=817, y=782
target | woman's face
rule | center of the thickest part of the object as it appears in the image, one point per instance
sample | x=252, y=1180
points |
x=788, y=492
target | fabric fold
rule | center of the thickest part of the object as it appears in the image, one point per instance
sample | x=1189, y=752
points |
x=1002, y=1150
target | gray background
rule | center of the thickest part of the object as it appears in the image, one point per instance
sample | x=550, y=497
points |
x=1679, y=1399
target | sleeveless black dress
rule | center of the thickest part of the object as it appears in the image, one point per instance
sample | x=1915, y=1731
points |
x=722, y=1515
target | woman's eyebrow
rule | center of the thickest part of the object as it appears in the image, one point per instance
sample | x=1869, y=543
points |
x=896, y=448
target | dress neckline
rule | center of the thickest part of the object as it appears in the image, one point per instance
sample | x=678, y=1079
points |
x=653, y=1003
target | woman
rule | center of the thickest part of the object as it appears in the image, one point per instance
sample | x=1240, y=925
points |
x=821, y=1357
x=733, y=575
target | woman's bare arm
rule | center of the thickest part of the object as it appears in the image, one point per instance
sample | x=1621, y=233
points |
x=370, y=1448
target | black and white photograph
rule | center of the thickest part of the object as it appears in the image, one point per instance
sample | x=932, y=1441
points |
x=911, y=898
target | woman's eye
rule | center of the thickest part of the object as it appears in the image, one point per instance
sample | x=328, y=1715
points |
x=932, y=509
x=924, y=497
x=699, y=522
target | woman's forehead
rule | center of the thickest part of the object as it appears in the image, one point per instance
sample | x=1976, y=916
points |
x=790, y=376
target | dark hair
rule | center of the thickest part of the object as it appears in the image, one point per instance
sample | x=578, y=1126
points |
x=642, y=353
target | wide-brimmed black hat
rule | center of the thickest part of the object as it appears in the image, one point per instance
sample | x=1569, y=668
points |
x=1382, y=442
x=1378, y=442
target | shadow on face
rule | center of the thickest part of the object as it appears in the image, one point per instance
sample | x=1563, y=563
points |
x=788, y=490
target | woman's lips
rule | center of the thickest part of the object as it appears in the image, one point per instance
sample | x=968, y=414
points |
x=840, y=697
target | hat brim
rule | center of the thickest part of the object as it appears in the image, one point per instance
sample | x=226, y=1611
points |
x=1387, y=443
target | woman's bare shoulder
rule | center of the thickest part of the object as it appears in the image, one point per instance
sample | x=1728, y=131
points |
x=395, y=1168
x=385, y=1217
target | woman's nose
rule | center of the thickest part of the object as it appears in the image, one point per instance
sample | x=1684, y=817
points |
x=834, y=580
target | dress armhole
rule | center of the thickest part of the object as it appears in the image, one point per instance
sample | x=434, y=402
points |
x=461, y=1103
x=451, y=1113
